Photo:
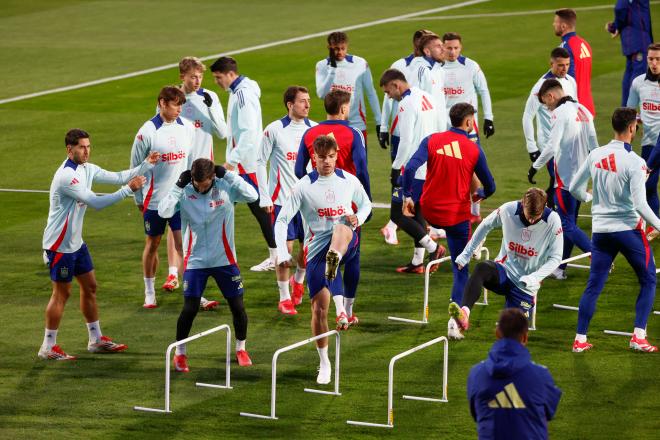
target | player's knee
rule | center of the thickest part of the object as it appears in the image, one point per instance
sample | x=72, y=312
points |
x=151, y=244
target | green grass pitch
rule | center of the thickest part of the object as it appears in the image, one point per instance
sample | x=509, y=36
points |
x=608, y=393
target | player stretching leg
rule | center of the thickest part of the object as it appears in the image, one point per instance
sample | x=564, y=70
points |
x=532, y=242
x=279, y=146
x=324, y=198
x=70, y=195
x=206, y=196
x=619, y=200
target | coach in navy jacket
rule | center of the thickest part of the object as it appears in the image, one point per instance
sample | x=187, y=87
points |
x=510, y=396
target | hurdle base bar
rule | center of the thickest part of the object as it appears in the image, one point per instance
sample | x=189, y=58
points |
x=258, y=416
x=412, y=321
x=315, y=391
x=425, y=399
x=372, y=425
x=579, y=266
x=563, y=307
x=617, y=333
x=156, y=410
x=212, y=385
x=656, y=312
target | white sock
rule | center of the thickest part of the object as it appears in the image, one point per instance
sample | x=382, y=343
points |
x=284, y=290
x=94, y=329
x=339, y=304
x=299, y=275
x=323, y=355
x=640, y=333
x=475, y=208
x=180, y=349
x=418, y=256
x=428, y=244
x=240, y=345
x=50, y=339
x=348, y=305
x=581, y=338
x=272, y=254
x=149, y=285
x=336, y=252
x=391, y=225
x=173, y=270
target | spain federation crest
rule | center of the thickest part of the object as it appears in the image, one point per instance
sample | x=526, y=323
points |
x=64, y=272
x=526, y=234
x=330, y=196
x=147, y=226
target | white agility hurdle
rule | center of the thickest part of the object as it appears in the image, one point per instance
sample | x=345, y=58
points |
x=568, y=260
x=656, y=312
x=390, y=384
x=427, y=279
x=168, y=354
x=617, y=333
x=273, y=388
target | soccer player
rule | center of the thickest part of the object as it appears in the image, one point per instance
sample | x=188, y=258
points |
x=431, y=75
x=465, y=80
x=559, y=63
x=279, y=146
x=325, y=199
x=617, y=203
x=632, y=22
x=389, y=125
x=244, y=139
x=350, y=73
x=205, y=197
x=351, y=157
x=172, y=136
x=532, y=241
x=580, y=53
x=204, y=110
x=451, y=159
x=68, y=256
x=417, y=119
x=645, y=95
x=571, y=138
x=511, y=397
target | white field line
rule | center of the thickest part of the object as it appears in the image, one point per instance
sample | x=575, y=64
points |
x=511, y=14
x=244, y=50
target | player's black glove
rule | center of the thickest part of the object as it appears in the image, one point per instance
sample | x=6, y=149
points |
x=533, y=156
x=530, y=175
x=184, y=179
x=383, y=138
x=207, y=99
x=489, y=128
x=220, y=171
x=333, y=60
x=394, y=177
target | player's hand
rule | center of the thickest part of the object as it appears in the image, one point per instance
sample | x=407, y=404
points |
x=331, y=55
x=184, y=179
x=268, y=209
x=383, y=138
x=352, y=220
x=137, y=182
x=153, y=157
x=408, y=207
x=478, y=195
x=140, y=208
x=228, y=166
x=220, y=171
x=530, y=175
x=533, y=156
x=207, y=99
x=489, y=128
x=459, y=266
x=394, y=177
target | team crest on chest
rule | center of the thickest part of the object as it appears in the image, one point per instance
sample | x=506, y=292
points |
x=171, y=141
x=330, y=196
x=188, y=111
x=526, y=234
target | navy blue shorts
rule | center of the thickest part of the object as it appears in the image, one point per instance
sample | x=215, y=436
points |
x=315, y=274
x=154, y=225
x=228, y=278
x=63, y=267
x=295, y=230
x=417, y=186
x=515, y=297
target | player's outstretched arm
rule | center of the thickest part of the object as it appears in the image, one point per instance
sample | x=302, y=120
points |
x=122, y=177
x=488, y=224
x=485, y=176
x=80, y=193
